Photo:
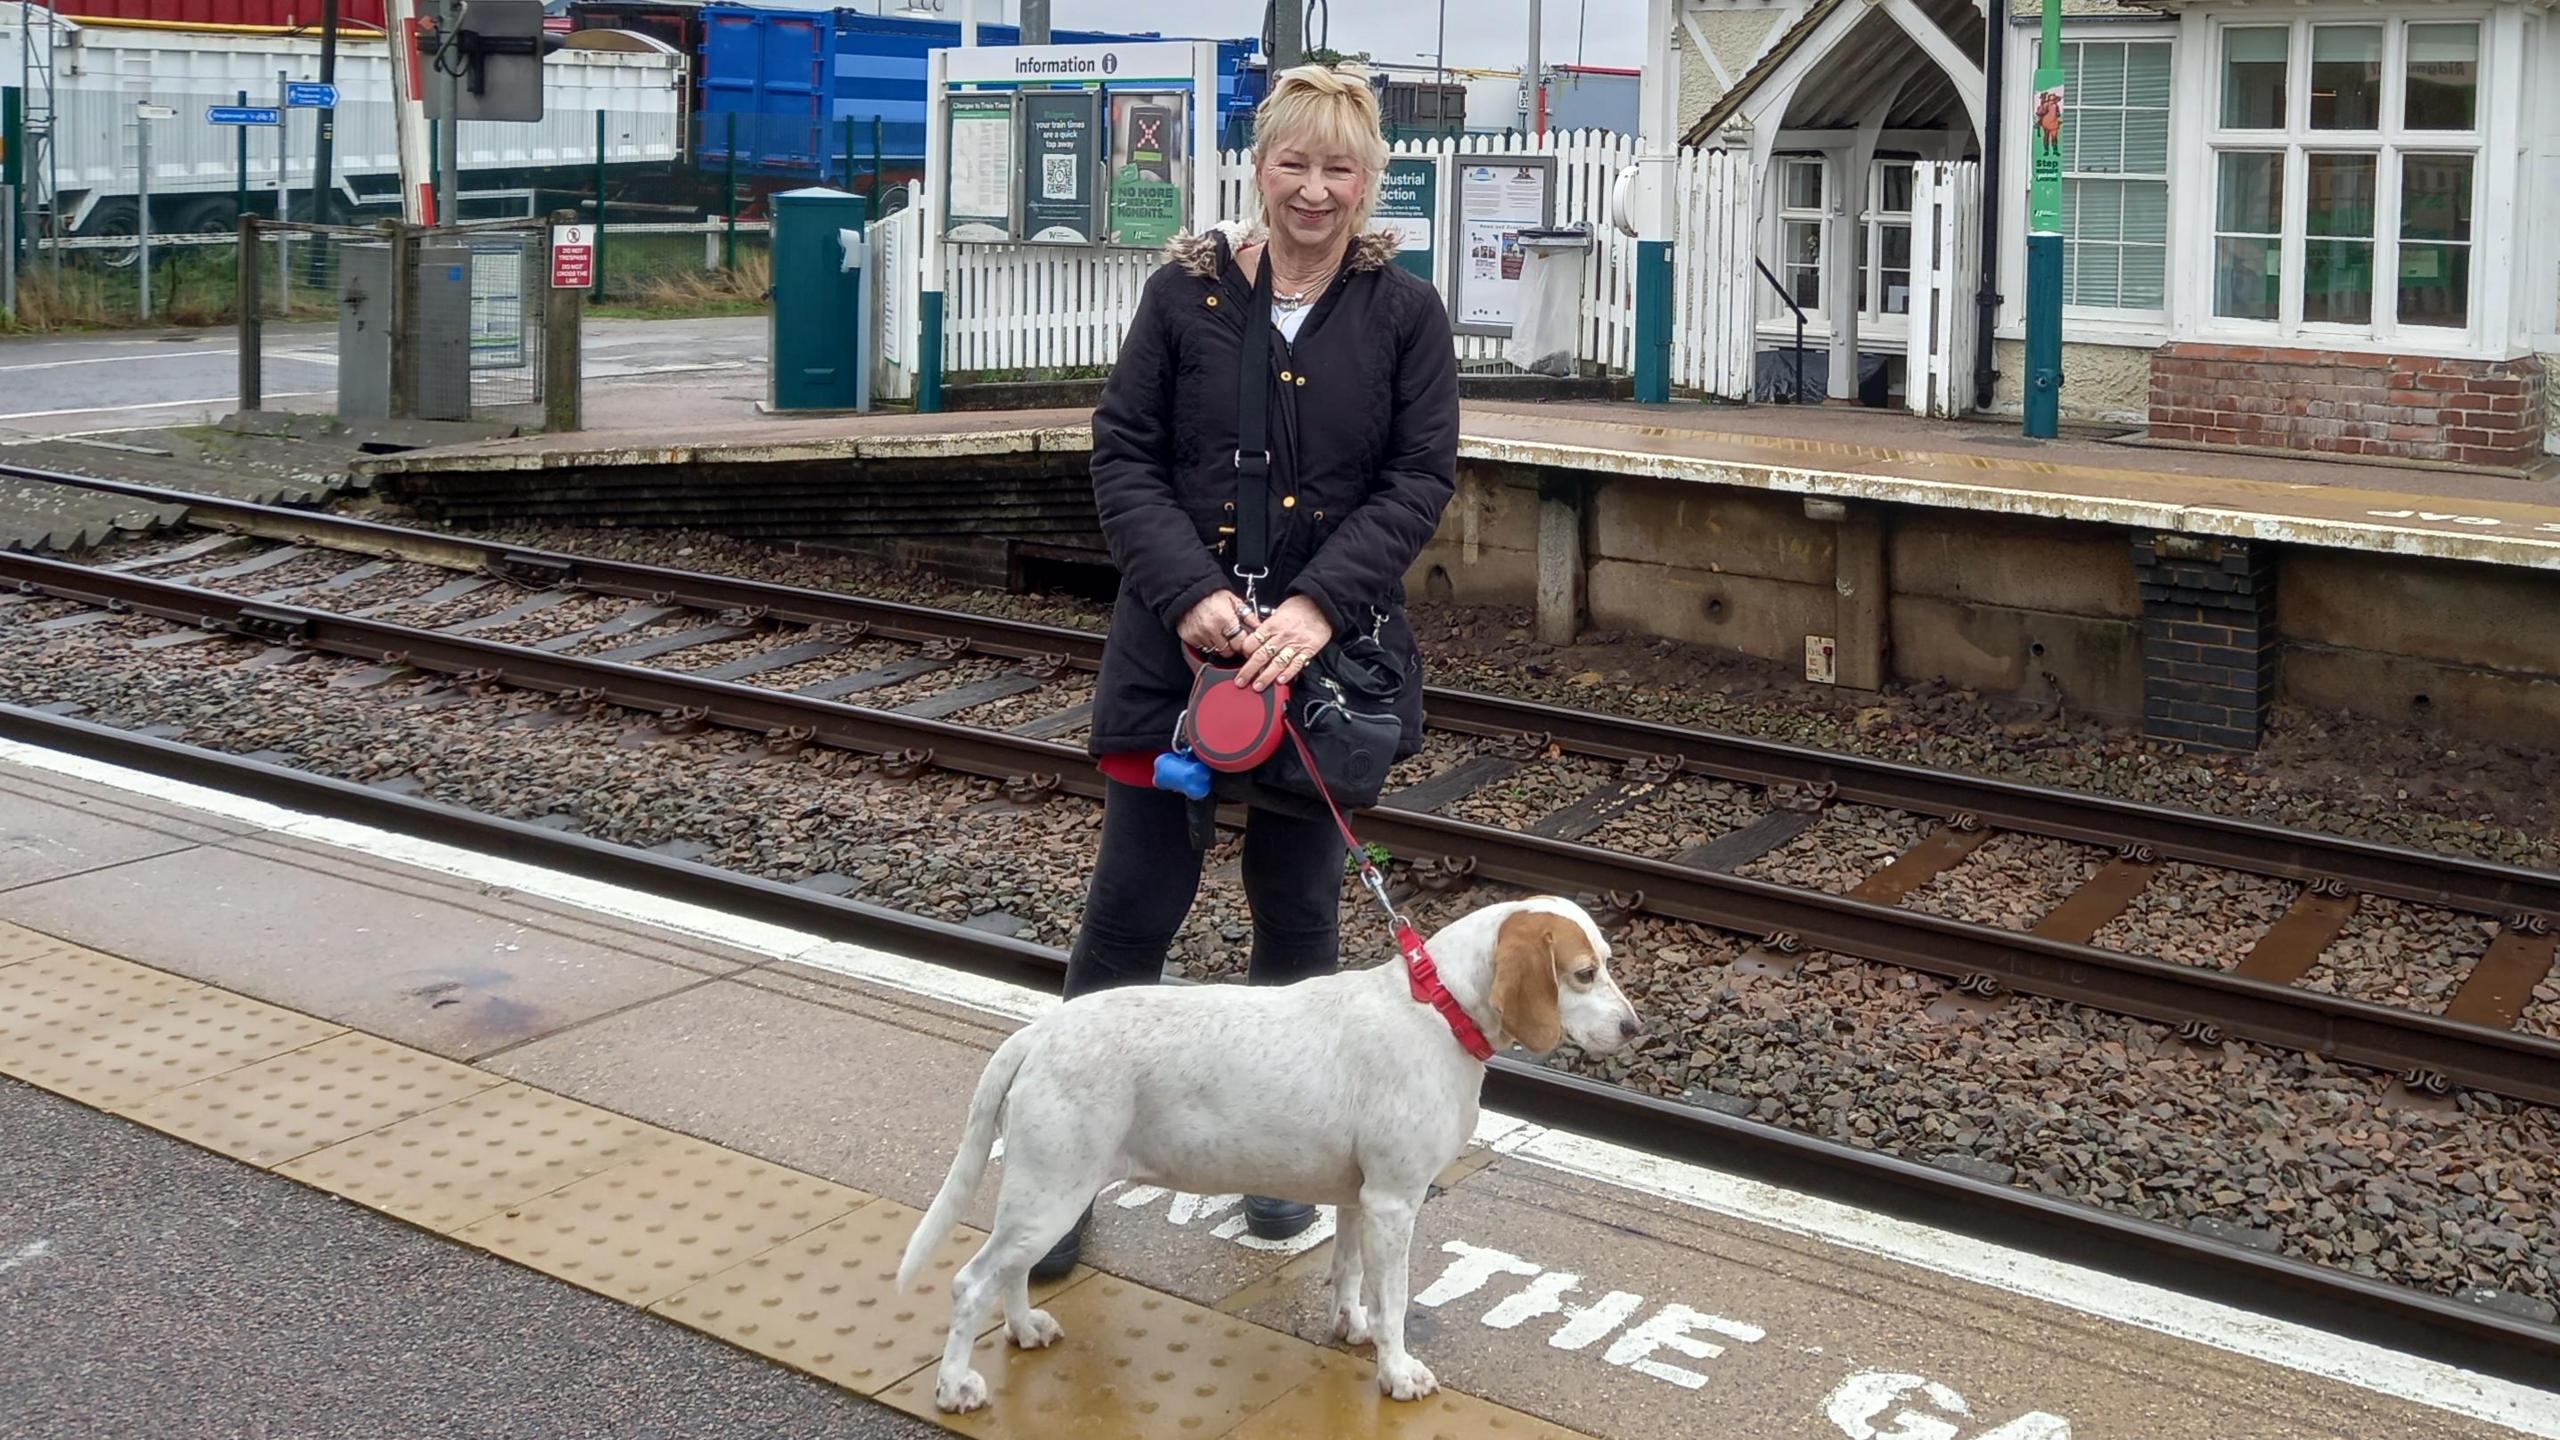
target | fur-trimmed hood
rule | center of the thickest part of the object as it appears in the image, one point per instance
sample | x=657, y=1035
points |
x=1198, y=254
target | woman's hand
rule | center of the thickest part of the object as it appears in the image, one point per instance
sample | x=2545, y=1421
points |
x=1217, y=625
x=1284, y=642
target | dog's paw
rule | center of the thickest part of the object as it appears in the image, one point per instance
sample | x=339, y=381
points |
x=1405, y=1378
x=1034, y=1330
x=1351, y=1324
x=969, y=1392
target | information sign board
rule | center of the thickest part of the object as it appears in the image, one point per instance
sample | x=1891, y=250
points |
x=1498, y=197
x=1150, y=166
x=1409, y=206
x=1061, y=167
x=978, y=199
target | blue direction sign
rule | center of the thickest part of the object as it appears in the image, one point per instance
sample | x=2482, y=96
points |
x=311, y=95
x=243, y=115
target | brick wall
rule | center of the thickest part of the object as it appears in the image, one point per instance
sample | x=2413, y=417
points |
x=2409, y=407
x=2208, y=639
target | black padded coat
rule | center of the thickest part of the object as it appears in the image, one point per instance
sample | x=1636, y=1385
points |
x=1364, y=440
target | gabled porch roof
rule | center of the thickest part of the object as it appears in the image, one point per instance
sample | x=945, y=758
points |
x=1920, y=60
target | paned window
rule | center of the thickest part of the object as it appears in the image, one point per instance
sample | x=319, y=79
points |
x=2115, y=175
x=1884, y=246
x=2345, y=164
x=1800, y=220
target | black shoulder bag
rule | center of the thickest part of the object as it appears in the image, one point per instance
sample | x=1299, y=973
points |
x=1343, y=701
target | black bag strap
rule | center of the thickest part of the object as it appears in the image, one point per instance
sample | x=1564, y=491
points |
x=1253, y=431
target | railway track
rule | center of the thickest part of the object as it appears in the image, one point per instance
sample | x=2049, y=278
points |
x=2471, y=1045
x=1037, y=759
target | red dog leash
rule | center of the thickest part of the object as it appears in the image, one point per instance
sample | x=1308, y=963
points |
x=1419, y=971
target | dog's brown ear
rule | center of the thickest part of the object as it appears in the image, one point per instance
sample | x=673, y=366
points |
x=1524, y=978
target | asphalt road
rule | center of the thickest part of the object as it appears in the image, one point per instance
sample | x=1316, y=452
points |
x=84, y=384
x=153, y=1291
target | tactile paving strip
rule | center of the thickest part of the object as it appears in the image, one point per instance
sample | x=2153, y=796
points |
x=294, y=1104
x=643, y=1230
x=473, y=1158
x=48, y=986
x=1135, y=1365
x=1342, y=1403
x=127, y=1041
x=828, y=1302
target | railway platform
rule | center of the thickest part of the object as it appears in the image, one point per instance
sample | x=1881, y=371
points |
x=724, y=1123
x=1867, y=547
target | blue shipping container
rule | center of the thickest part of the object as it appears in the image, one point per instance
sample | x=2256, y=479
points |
x=794, y=77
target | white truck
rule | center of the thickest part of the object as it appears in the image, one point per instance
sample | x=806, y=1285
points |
x=102, y=71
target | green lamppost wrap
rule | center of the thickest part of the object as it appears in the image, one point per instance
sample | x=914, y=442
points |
x=2044, y=236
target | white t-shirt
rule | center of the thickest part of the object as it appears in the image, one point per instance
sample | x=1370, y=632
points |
x=1288, y=321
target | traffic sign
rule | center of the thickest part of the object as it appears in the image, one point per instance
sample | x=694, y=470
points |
x=148, y=111
x=243, y=115
x=573, y=257
x=310, y=95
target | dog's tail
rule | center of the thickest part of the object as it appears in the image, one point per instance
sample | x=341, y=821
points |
x=968, y=1167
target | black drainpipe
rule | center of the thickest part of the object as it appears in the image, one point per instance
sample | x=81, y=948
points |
x=1987, y=299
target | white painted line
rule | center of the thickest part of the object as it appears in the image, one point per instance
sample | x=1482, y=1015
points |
x=32, y=1250
x=189, y=353
x=153, y=405
x=2274, y=1342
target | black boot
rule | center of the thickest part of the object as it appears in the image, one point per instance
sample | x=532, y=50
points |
x=1062, y=1257
x=1270, y=1219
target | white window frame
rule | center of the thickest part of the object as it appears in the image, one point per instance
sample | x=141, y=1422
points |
x=2486, y=327
x=2152, y=318
x=2085, y=325
x=1873, y=221
x=1816, y=316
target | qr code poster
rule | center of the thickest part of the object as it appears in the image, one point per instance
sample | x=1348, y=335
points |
x=1058, y=178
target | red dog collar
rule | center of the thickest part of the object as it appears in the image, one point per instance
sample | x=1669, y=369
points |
x=1427, y=988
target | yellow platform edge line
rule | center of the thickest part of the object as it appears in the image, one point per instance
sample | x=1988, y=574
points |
x=287, y=1067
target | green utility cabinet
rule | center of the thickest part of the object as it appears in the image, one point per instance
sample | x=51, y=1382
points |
x=817, y=324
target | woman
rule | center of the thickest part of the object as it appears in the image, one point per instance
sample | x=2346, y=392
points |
x=1363, y=434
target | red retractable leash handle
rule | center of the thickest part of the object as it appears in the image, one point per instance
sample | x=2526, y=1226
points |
x=1420, y=973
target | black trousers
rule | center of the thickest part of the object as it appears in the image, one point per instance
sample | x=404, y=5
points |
x=1148, y=875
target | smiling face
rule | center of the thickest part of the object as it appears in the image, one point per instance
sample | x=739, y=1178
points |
x=1551, y=980
x=1312, y=194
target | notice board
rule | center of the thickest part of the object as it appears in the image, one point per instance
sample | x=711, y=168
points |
x=1498, y=197
x=1062, y=167
x=978, y=199
x=1150, y=166
x=1409, y=206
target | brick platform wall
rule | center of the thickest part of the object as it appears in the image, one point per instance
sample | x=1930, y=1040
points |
x=2478, y=412
x=2208, y=639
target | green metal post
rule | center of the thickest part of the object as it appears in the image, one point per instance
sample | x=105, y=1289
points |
x=875, y=167
x=1653, y=322
x=13, y=153
x=729, y=245
x=2044, y=236
x=929, y=364
x=240, y=164
x=597, y=289
x=848, y=152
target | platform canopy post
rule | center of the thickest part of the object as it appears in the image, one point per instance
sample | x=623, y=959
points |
x=1658, y=105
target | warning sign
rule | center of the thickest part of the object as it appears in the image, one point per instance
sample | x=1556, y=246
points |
x=573, y=257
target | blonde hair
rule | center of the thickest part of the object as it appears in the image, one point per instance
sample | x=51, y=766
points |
x=1324, y=111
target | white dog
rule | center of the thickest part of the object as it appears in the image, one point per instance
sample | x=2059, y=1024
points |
x=1343, y=1090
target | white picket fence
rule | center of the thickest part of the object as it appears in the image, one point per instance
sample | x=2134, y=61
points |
x=1946, y=262
x=1021, y=307
x=1587, y=164
x=1715, y=283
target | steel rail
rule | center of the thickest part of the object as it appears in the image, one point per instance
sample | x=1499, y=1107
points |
x=2467, y=1336
x=2485, y=887
x=2506, y=1062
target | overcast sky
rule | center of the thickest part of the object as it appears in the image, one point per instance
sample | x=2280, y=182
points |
x=1481, y=32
